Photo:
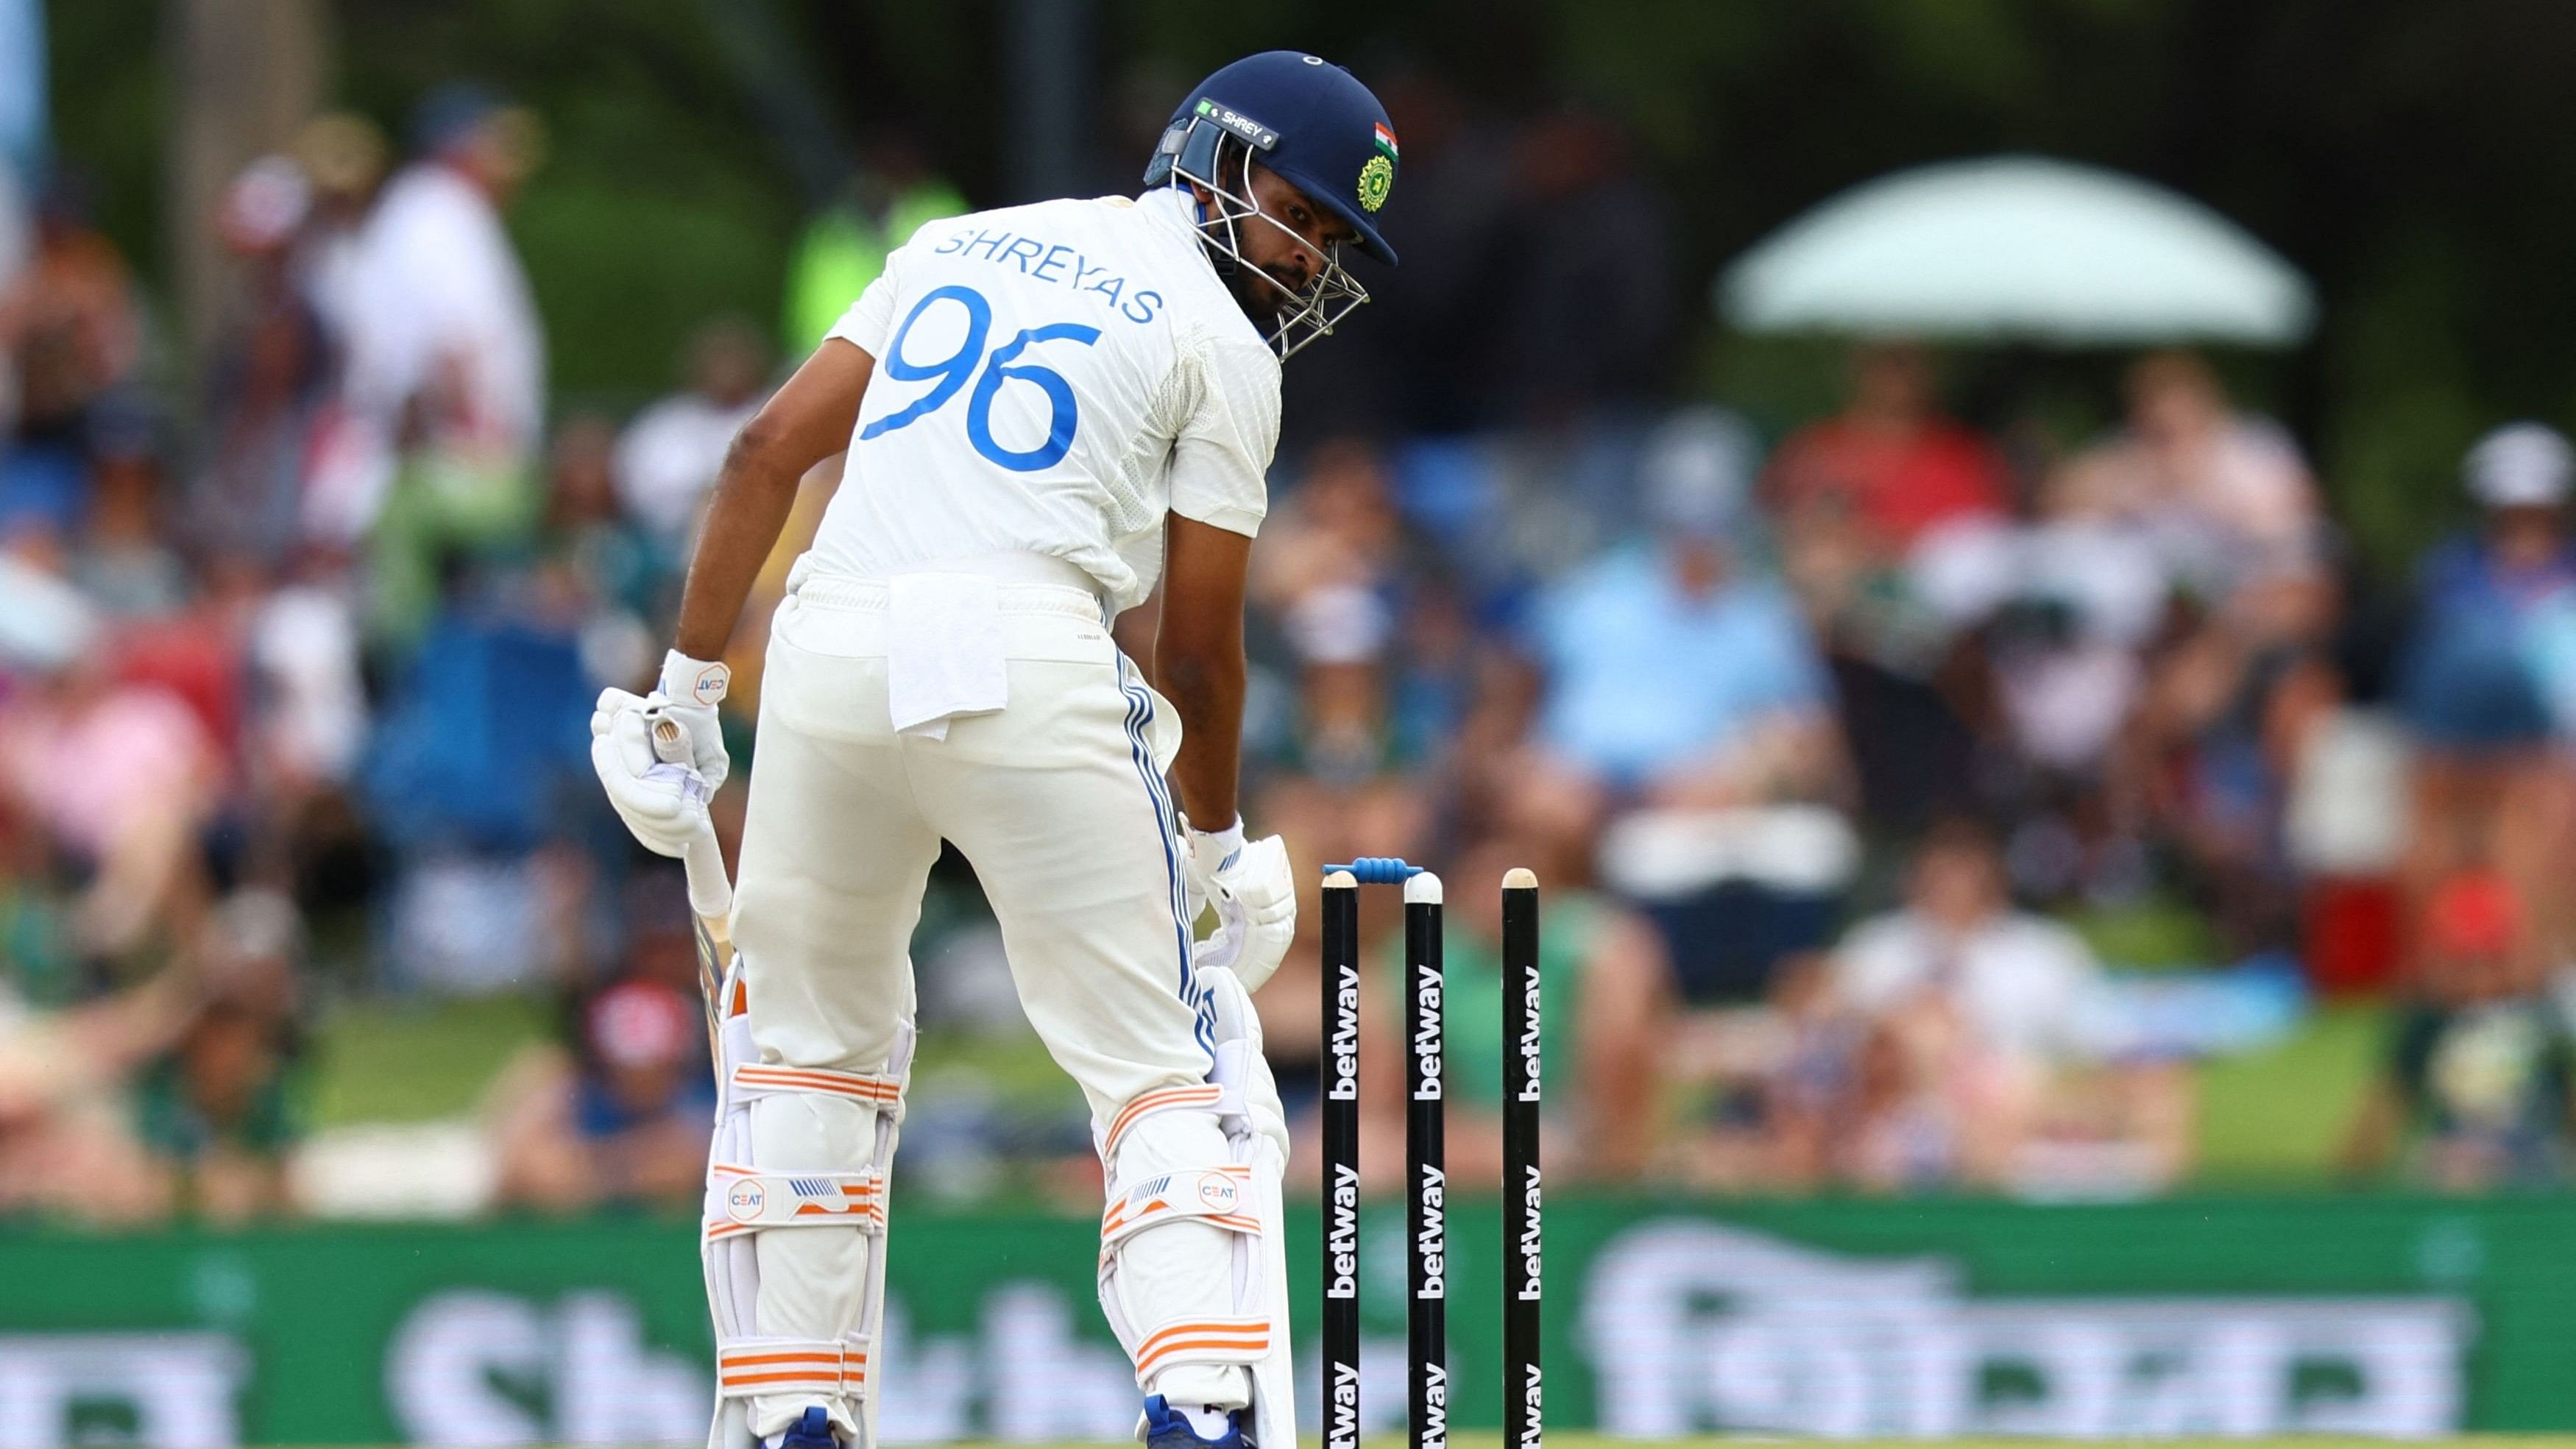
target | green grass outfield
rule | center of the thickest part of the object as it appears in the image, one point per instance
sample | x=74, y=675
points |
x=2268, y=1118
x=1712, y=1441
x=1595, y=1441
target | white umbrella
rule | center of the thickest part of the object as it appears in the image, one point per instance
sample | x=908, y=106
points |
x=2018, y=246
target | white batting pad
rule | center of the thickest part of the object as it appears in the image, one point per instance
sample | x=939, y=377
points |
x=1193, y=1258
x=793, y=1236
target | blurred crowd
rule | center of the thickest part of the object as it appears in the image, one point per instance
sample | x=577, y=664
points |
x=1827, y=753
x=1843, y=750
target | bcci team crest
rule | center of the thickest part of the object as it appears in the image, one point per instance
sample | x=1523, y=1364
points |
x=1377, y=175
x=1377, y=178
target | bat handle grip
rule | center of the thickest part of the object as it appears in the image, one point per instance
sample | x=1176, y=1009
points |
x=710, y=891
x=710, y=894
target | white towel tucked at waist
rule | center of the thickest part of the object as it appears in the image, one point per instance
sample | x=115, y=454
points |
x=944, y=653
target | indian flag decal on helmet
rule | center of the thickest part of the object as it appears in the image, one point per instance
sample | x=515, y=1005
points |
x=1377, y=174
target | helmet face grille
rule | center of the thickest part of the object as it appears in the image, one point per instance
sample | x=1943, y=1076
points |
x=1202, y=153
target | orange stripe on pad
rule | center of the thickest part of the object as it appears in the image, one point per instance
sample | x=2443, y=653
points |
x=852, y=1084
x=735, y=1380
x=1145, y=1362
x=1150, y=1355
x=1154, y=1101
x=1222, y=1220
x=1239, y=1327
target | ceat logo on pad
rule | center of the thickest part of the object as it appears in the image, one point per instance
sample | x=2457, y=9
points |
x=744, y=1200
x=1216, y=1190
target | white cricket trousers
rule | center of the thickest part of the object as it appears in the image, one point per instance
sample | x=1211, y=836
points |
x=1059, y=802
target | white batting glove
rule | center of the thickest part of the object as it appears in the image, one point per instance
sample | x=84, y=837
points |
x=1239, y=1058
x=689, y=691
x=1253, y=890
x=664, y=805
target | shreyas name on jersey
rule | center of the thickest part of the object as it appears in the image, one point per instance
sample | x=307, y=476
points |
x=1053, y=263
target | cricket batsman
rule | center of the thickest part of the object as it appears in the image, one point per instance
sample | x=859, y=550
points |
x=1045, y=408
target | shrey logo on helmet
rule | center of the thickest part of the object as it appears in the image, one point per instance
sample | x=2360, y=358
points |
x=1261, y=136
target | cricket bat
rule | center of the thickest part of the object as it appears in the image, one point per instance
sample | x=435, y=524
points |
x=710, y=891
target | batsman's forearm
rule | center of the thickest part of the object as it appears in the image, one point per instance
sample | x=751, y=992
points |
x=1206, y=690
x=752, y=500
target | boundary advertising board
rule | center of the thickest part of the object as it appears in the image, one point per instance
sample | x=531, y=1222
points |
x=2383, y=1316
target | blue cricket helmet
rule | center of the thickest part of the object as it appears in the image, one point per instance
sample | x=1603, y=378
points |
x=1300, y=116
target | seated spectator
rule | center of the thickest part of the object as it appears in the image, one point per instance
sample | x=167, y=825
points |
x=667, y=458
x=1972, y=1061
x=2475, y=1090
x=124, y=777
x=1677, y=672
x=1909, y=1120
x=71, y=322
x=197, y=652
x=2225, y=495
x=1338, y=528
x=2060, y=612
x=66, y=1148
x=1888, y=465
x=2230, y=750
x=1339, y=729
x=308, y=719
x=123, y=559
x=1685, y=696
x=2016, y=981
x=2485, y=677
x=1805, y=1092
x=219, y=1111
x=622, y=1117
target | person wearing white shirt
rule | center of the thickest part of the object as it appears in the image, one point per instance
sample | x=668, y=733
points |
x=668, y=457
x=2018, y=983
x=1994, y=1054
x=1047, y=410
x=440, y=320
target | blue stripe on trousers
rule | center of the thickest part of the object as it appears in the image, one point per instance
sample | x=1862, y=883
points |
x=1140, y=715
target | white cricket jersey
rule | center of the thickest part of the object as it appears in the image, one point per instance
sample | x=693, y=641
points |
x=1051, y=379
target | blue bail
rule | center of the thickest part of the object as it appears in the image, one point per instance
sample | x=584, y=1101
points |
x=1378, y=870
